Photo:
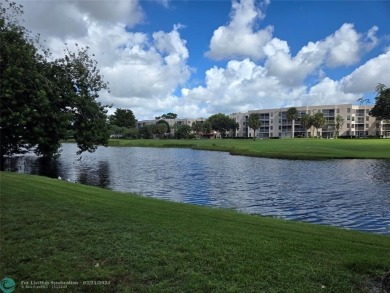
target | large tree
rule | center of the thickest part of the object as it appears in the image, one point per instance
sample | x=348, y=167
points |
x=222, y=123
x=381, y=110
x=167, y=116
x=182, y=131
x=197, y=126
x=307, y=122
x=339, y=122
x=319, y=120
x=292, y=115
x=161, y=128
x=206, y=127
x=41, y=101
x=168, y=128
x=123, y=118
x=254, y=122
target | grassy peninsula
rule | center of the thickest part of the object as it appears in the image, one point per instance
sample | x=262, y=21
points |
x=312, y=149
x=52, y=230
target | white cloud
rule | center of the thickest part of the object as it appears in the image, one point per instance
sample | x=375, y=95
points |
x=64, y=19
x=143, y=70
x=147, y=72
x=243, y=85
x=366, y=77
x=328, y=92
x=238, y=39
x=343, y=48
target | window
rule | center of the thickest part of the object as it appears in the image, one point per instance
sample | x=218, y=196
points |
x=367, y=118
x=353, y=125
x=367, y=125
x=353, y=118
x=338, y=111
x=348, y=125
x=271, y=127
x=348, y=118
x=348, y=110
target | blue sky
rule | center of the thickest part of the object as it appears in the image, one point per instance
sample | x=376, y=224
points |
x=198, y=58
x=297, y=22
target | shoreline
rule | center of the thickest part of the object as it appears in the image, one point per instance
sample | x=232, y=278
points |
x=290, y=149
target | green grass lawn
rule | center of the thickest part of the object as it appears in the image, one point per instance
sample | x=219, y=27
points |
x=280, y=148
x=53, y=230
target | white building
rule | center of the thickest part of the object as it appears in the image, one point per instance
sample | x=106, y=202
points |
x=274, y=123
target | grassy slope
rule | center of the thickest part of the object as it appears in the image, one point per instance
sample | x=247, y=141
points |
x=54, y=230
x=281, y=148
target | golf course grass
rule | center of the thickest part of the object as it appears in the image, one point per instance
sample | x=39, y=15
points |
x=105, y=241
x=312, y=149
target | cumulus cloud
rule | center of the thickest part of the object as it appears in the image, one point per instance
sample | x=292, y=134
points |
x=71, y=18
x=245, y=85
x=239, y=39
x=327, y=92
x=241, y=86
x=343, y=48
x=366, y=77
x=148, y=72
x=143, y=70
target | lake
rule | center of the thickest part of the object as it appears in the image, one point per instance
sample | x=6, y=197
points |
x=354, y=194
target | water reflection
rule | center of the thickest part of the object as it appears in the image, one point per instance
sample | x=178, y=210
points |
x=347, y=193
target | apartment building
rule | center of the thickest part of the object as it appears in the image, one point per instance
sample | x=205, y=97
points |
x=274, y=122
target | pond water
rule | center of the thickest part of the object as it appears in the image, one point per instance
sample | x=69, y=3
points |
x=353, y=194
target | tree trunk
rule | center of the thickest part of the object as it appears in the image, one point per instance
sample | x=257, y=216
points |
x=2, y=163
x=292, y=128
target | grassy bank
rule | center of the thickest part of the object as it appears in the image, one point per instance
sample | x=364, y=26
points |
x=53, y=230
x=280, y=148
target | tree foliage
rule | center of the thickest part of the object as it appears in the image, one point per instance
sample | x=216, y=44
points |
x=292, y=115
x=307, y=121
x=161, y=128
x=123, y=118
x=43, y=101
x=381, y=109
x=182, y=131
x=254, y=122
x=167, y=116
x=168, y=128
x=222, y=123
x=207, y=127
x=197, y=126
x=339, y=122
x=318, y=120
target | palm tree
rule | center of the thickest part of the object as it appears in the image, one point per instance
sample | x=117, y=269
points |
x=292, y=115
x=254, y=122
x=319, y=120
x=307, y=121
x=339, y=124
